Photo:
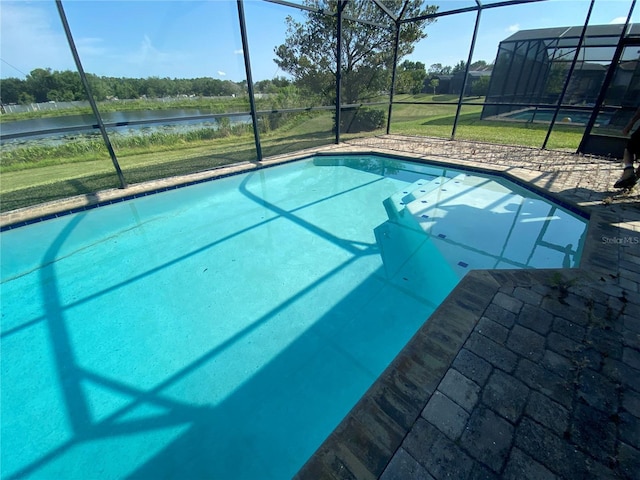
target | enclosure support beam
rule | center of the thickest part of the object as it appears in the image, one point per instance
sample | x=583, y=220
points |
x=569, y=75
x=247, y=67
x=341, y=6
x=466, y=71
x=469, y=9
x=607, y=80
x=538, y=82
x=393, y=75
x=87, y=88
x=308, y=8
x=396, y=46
x=384, y=8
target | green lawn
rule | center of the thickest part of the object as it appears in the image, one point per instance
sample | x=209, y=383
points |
x=33, y=183
x=45, y=175
x=437, y=121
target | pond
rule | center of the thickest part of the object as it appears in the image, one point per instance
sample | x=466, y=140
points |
x=132, y=121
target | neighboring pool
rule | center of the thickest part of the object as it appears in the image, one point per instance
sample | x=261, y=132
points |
x=564, y=116
x=224, y=329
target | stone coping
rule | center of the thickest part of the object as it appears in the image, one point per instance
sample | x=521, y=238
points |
x=45, y=211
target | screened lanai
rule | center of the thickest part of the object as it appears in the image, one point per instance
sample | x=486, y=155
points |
x=541, y=56
x=318, y=239
x=93, y=112
x=531, y=82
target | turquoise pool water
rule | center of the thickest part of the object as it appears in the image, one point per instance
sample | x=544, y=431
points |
x=564, y=116
x=223, y=330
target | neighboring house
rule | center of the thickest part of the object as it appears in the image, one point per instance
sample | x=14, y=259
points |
x=452, y=84
x=473, y=77
x=444, y=84
x=625, y=86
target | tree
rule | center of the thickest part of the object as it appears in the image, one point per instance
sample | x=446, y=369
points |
x=38, y=83
x=434, y=83
x=410, y=77
x=480, y=87
x=263, y=86
x=272, y=86
x=124, y=88
x=459, y=67
x=24, y=98
x=11, y=89
x=309, y=53
x=438, y=69
x=68, y=85
x=479, y=65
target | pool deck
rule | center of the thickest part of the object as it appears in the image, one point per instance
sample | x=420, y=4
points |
x=522, y=374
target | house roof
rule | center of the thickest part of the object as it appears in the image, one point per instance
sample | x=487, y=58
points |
x=604, y=32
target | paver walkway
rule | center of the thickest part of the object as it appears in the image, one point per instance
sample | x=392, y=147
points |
x=520, y=374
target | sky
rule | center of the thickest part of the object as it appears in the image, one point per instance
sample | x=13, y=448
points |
x=190, y=39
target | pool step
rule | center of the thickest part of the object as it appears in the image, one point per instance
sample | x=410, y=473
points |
x=461, y=189
x=455, y=216
x=397, y=203
x=425, y=207
x=413, y=262
x=472, y=222
x=416, y=190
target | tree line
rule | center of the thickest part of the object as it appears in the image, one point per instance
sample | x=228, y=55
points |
x=414, y=77
x=367, y=54
x=46, y=85
x=366, y=59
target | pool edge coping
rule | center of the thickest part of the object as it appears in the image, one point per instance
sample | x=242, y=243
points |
x=57, y=208
x=366, y=440
x=77, y=203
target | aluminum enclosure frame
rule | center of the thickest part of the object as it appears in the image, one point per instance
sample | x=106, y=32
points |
x=397, y=21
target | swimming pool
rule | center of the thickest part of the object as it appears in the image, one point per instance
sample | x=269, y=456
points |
x=564, y=116
x=223, y=330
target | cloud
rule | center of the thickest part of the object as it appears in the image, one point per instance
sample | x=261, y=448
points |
x=29, y=40
x=513, y=28
x=147, y=60
x=618, y=20
x=90, y=46
x=31, y=37
x=147, y=52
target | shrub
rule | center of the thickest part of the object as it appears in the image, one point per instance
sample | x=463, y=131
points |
x=362, y=119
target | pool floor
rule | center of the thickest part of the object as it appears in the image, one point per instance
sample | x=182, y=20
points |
x=223, y=330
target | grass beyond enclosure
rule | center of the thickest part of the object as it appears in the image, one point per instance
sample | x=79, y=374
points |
x=436, y=120
x=37, y=173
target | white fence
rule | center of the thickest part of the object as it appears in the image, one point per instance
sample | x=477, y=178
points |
x=35, y=107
